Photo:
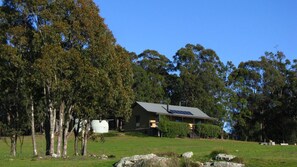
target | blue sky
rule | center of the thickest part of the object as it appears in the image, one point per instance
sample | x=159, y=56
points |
x=237, y=30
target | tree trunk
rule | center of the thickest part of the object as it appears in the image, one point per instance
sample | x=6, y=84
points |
x=76, y=145
x=50, y=123
x=52, y=128
x=76, y=133
x=13, y=143
x=60, y=129
x=13, y=137
x=33, y=129
x=47, y=135
x=85, y=139
x=65, y=137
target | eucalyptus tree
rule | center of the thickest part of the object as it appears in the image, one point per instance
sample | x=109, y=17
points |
x=202, y=77
x=72, y=58
x=262, y=90
x=243, y=81
x=15, y=70
x=151, y=70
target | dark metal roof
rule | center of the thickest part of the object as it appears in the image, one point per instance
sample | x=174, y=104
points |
x=180, y=111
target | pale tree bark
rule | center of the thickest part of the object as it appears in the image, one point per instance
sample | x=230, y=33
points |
x=76, y=133
x=13, y=138
x=13, y=144
x=85, y=139
x=33, y=128
x=60, y=128
x=65, y=137
x=83, y=131
x=52, y=112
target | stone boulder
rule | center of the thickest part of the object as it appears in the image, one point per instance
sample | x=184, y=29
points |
x=222, y=164
x=224, y=157
x=151, y=160
x=187, y=155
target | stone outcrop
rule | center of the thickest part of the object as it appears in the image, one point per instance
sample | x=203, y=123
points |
x=223, y=160
x=144, y=160
x=222, y=164
x=224, y=157
x=152, y=160
x=187, y=155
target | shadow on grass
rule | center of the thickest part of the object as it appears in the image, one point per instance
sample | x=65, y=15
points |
x=136, y=134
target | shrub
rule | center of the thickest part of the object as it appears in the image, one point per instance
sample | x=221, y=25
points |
x=173, y=129
x=208, y=130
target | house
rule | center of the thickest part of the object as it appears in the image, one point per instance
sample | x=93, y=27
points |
x=145, y=116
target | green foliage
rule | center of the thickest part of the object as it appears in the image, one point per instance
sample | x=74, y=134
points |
x=202, y=78
x=173, y=129
x=60, y=55
x=151, y=70
x=208, y=130
x=263, y=103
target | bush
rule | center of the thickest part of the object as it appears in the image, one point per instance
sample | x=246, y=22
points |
x=208, y=130
x=173, y=129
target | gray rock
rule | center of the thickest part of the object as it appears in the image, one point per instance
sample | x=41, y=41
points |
x=222, y=164
x=187, y=155
x=103, y=157
x=224, y=157
x=129, y=161
x=55, y=155
x=156, y=161
x=144, y=160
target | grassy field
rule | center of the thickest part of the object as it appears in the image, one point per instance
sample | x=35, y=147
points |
x=254, y=155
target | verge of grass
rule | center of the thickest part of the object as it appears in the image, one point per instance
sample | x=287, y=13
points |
x=126, y=145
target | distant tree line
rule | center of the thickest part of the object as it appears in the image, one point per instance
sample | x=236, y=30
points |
x=59, y=62
x=258, y=99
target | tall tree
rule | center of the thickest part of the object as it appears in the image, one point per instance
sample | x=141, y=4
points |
x=151, y=70
x=14, y=70
x=202, y=77
x=66, y=51
x=261, y=88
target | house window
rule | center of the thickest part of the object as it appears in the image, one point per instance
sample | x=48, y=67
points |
x=178, y=119
x=137, y=120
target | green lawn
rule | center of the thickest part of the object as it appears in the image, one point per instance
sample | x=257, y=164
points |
x=120, y=146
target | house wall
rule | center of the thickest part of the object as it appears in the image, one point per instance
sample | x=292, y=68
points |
x=140, y=116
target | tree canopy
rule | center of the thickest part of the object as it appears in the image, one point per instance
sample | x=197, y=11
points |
x=61, y=56
x=59, y=63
